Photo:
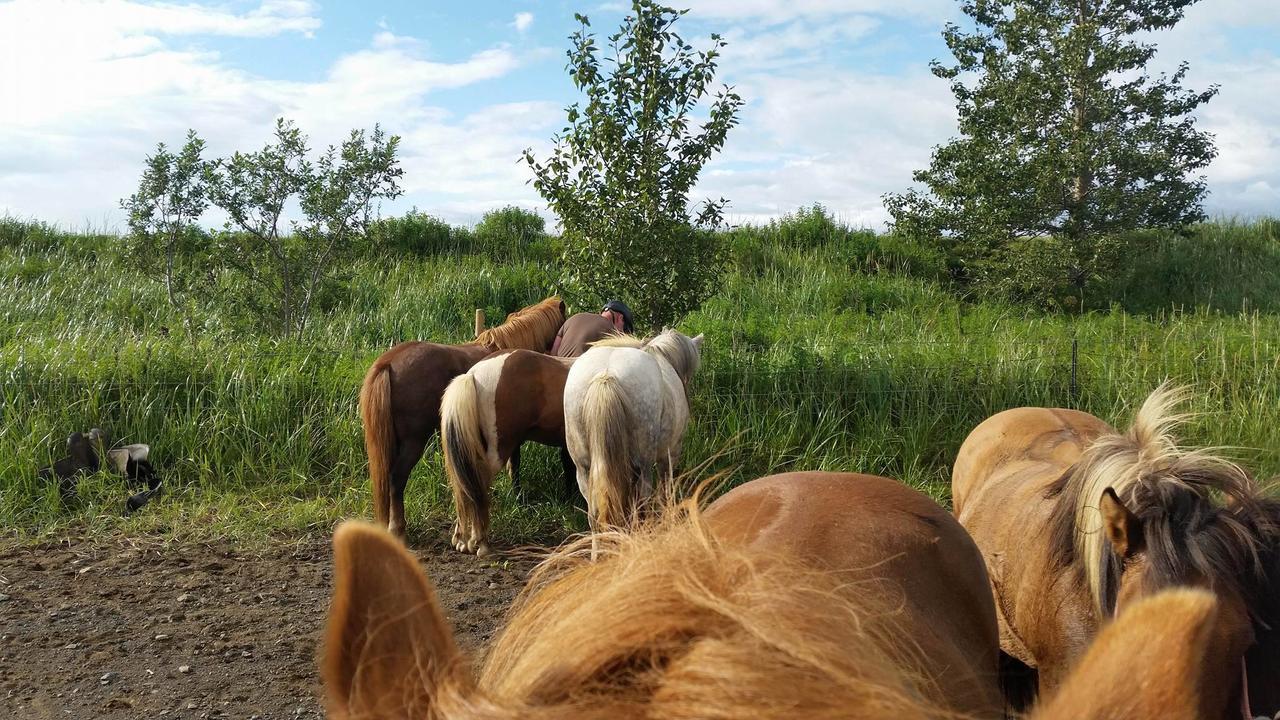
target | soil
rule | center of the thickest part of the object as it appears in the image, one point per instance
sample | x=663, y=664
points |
x=137, y=628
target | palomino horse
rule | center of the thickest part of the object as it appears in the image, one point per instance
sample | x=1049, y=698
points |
x=1075, y=519
x=705, y=617
x=626, y=408
x=486, y=413
x=804, y=595
x=400, y=397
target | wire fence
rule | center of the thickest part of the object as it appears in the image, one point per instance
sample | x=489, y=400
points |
x=746, y=371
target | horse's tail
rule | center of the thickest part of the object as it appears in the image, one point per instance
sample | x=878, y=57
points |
x=608, y=434
x=379, y=437
x=465, y=458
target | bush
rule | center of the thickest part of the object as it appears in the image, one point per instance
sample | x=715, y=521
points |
x=420, y=235
x=510, y=227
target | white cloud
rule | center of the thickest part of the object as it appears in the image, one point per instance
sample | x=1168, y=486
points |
x=81, y=115
x=840, y=139
x=778, y=11
x=522, y=22
x=801, y=42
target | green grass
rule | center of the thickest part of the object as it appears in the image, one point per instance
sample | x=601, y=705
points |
x=828, y=348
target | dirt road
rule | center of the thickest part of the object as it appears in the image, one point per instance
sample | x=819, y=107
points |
x=135, y=628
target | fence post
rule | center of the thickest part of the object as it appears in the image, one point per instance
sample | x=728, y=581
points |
x=479, y=321
x=1075, y=365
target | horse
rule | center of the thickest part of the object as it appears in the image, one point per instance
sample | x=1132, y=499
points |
x=699, y=617
x=485, y=415
x=400, y=398
x=1076, y=519
x=802, y=595
x=626, y=409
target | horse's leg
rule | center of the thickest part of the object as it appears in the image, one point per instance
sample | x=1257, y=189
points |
x=642, y=493
x=410, y=452
x=513, y=468
x=478, y=517
x=570, y=475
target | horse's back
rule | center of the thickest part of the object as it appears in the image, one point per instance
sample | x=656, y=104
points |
x=528, y=394
x=927, y=574
x=1027, y=443
x=638, y=374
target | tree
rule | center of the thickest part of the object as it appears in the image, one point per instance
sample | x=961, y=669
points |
x=1066, y=142
x=336, y=194
x=620, y=174
x=165, y=241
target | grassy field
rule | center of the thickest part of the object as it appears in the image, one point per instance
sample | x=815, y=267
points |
x=827, y=349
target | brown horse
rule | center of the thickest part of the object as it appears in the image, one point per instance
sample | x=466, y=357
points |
x=1167, y=656
x=806, y=595
x=400, y=398
x=486, y=414
x=1075, y=519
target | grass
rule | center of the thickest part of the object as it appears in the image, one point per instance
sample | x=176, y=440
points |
x=828, y=348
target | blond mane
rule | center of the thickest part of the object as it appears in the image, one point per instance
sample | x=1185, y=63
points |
x=1156, y=480
x=530, y=328
x=618, y=339
x=669, y=623
x=672, y=346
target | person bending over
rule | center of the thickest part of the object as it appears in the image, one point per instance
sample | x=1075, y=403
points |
x=582, y=329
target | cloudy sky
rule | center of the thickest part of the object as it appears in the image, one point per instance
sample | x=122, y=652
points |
x=840, y=104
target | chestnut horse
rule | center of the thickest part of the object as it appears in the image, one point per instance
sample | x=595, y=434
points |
x=1075, y=519
x=400, y=398
x=486, y=414
x=626, y=409
x=804, y=595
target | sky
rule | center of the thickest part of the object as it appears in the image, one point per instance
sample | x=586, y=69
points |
x=840, y=104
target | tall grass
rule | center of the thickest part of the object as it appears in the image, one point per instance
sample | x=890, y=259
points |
x=828, y=348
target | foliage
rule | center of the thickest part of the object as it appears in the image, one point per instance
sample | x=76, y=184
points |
x=1067, y=142
x=511, y=226
x=417, y=233
x=163, y=235
x=286, y=272
x=620, y=175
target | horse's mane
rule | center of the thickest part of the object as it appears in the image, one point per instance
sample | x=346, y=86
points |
x=672, y=346
x=678, y=350
x=618, y=339
x=530, y=328
x=1188, y=532
x=670, y=623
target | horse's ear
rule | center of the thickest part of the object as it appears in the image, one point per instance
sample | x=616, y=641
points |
x=1124, y=530
x=697, y=342
x=388, y=646
x=1150, y=662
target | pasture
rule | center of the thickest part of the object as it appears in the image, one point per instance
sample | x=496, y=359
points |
x=827, y=348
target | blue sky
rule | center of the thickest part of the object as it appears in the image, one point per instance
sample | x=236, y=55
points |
x=840, y=107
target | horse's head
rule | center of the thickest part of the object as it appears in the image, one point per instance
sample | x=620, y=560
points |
x=1171, y=655
x=668, y=623
x=1145, y=515
x=1168, y=531
x=682, y=352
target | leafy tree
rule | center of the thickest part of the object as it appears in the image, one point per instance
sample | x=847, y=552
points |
x=1066, y=141
x=336, y=195
x=165, y=241
x=620, y=175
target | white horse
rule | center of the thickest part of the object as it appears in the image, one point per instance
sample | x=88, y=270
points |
x=626, y=409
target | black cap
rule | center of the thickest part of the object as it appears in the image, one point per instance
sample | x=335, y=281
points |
x=618, y=306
